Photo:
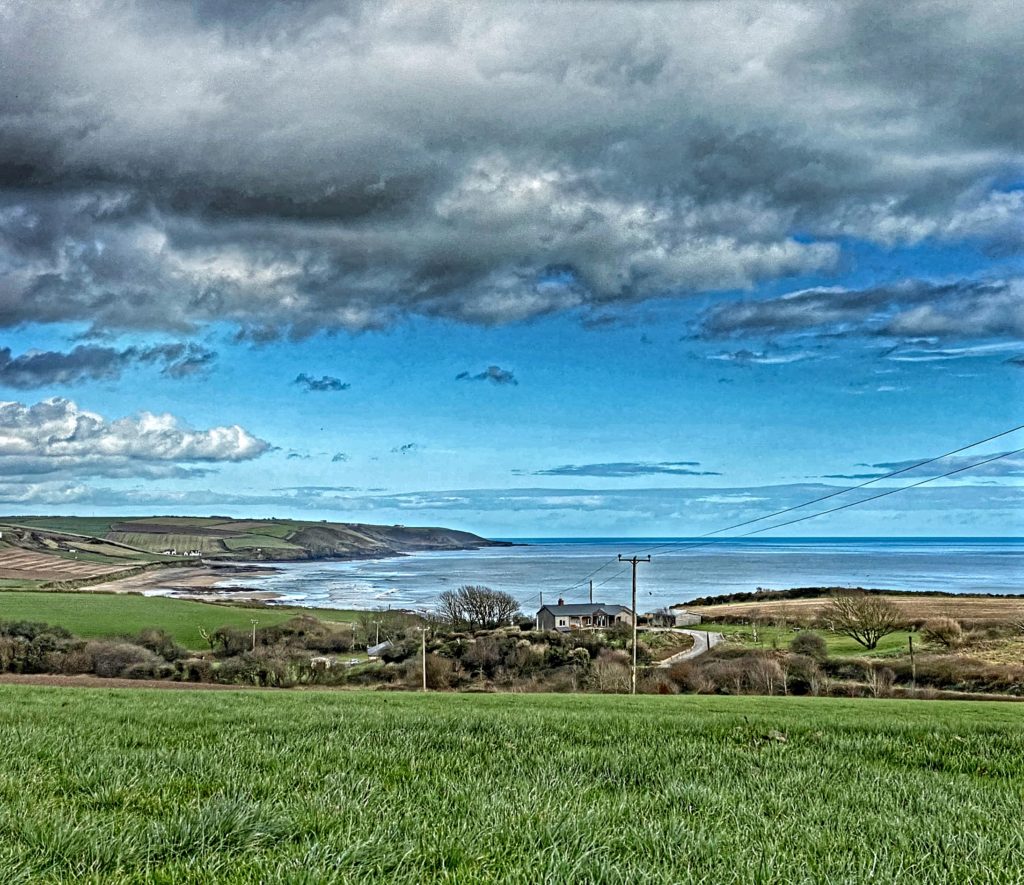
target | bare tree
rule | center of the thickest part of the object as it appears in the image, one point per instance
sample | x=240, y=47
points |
x=450, y=609
x=863, y=617
x=477, y=607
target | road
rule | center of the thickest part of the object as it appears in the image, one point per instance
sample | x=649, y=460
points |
x=703, y=642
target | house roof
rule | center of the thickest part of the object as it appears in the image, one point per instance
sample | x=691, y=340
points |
x=584, y=608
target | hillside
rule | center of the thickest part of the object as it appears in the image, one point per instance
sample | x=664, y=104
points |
x=77, y=550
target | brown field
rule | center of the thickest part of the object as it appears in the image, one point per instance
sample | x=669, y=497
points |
x=976, y=610
x=24, y=564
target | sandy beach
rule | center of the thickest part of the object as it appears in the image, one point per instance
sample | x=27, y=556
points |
x=193, y=582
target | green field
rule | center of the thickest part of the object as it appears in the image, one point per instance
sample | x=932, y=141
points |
x=169, y=786
x=96, y=526
x=94, y=615
x=780, y=637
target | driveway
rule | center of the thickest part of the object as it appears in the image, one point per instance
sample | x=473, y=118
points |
x=703, y=642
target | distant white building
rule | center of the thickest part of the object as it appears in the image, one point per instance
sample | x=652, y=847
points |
x=674, y=616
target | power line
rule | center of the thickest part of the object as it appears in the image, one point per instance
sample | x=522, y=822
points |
x=785, y=510
x=885, y=493
x=862, y=485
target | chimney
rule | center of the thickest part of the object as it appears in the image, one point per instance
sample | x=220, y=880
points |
x=561, y=601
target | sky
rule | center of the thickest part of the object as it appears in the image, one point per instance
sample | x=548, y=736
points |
x=524, y=269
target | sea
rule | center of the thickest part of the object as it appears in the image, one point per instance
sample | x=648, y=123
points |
x=680, y=570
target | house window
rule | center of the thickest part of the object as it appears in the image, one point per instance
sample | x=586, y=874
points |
x=561, y=622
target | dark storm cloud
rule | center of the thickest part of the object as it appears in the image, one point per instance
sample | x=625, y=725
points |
x=963, y=309
x=291, y=167
x=628, y=468
x=86, y=362
x=494, y=374
x=323, y=384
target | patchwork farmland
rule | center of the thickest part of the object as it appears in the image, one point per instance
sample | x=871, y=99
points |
x=19, y=564
x=225, y=538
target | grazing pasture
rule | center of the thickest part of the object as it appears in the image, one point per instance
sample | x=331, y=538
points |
x=130, y=785
x=106, y=615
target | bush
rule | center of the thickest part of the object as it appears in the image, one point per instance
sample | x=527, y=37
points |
x=809, y=644
x=943, y=631
x=440, y=672
x=160, y=642
x=195, y=670
x=112, y=659
x=76, y=661
x=804, y=676
x=31, y=629
x=150, y=670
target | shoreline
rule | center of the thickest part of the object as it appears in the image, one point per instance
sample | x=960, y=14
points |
x=198, y=583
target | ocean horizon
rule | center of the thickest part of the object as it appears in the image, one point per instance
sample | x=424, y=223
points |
x=681, y=569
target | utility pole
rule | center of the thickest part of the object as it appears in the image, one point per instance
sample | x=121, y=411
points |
x=254, y=622
x=377, y=640
x=913, y=666
x=423, y=634
x=634, y=560
x=591, y=591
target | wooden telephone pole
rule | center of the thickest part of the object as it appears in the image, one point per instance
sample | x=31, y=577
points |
x=423, y=633
x=634, y=560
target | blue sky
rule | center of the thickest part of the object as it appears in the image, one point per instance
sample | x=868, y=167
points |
x=591, y=323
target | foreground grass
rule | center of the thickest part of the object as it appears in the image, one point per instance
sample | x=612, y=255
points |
x=109, y=785
x=101, y=615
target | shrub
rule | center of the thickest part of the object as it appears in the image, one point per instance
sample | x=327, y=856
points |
x=76, y=661
x=657, y=682
x=943, y=631
x=261, y=668
x=764, y=675
x=31, y=629
x=195, y=670
x=160, y=642
x=158, y=669
x=610, y=671
x=111, y=659
x=809, y=644
x=879, y=680
x=803, y=675
x=440, y=672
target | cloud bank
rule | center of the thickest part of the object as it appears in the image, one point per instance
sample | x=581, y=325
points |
x=86, y=362
x=963, y=309
x=628, y=468
x=292, y=167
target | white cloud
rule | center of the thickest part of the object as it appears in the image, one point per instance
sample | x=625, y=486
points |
x=55, y=436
